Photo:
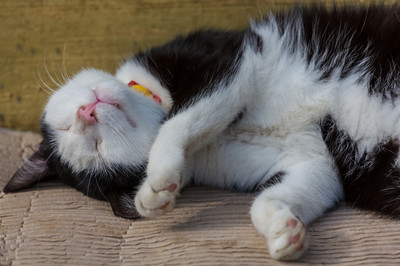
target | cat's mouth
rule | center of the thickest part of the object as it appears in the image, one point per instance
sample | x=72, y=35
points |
x=89, y=114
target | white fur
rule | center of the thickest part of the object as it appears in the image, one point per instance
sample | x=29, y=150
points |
x=185, y=133
x=279, y=132
x=283, y=102
x=124, y=135
x=272, y=218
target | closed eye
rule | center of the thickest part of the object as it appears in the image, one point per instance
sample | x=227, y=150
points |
x=96, y=144
x=64, y=128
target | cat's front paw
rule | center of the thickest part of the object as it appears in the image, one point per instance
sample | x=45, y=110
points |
x=287, y=238
x=163, y=183
x=150, y=202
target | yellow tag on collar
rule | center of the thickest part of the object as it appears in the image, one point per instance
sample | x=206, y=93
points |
x=139, y=88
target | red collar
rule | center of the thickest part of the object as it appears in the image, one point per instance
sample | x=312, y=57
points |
x=139, y=88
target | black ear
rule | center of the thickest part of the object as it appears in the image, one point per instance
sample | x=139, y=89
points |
x=123, y=206
x=32, y=171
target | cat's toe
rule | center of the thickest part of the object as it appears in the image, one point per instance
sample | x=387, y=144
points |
x=287, y=239
x=150, y=203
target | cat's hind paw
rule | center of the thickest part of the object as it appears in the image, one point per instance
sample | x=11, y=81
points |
x=287, y=238
x=150, y=202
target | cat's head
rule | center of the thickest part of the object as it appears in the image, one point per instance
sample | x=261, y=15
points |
x=97, y=134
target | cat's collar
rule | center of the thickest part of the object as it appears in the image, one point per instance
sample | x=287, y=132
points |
x=139, y=88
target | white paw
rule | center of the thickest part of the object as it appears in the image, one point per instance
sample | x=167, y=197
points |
x=150, y=202
x=164, y=179
x=286, y=236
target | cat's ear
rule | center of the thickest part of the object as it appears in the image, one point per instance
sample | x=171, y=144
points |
x=32, y=171
x=123, y=206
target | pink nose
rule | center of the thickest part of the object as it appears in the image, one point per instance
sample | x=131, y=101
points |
x=87, y=113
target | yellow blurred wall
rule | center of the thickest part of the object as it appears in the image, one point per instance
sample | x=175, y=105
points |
x=95, y=33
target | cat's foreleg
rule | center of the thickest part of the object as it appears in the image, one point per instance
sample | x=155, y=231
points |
x=178, y=138
x=191, y=129
x=281, y=212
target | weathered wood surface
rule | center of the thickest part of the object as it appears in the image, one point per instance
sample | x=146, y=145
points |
x=54, y=224
x=96, y=33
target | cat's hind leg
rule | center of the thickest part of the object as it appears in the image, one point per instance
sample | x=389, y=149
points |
x=306, y=190
x=285, y=232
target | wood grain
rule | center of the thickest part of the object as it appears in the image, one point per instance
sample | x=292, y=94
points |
x=53, y=224
x=95, y=33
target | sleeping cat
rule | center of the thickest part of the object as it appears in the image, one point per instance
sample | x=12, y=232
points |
x=302, y=108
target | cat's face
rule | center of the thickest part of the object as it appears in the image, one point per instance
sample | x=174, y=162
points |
x=97, y=134
x=98, y=121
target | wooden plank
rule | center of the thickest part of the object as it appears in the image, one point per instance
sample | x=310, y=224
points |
x=52, y=224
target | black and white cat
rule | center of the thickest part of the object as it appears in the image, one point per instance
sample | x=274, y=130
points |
x=301, y=107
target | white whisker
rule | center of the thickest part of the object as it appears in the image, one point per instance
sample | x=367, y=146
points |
x=95, y=178
x=117, y=133
x=55, y=73
x=64, y=69
x=47, y=88
x=76, y=187
x=48, y=73
x=88, y=186
x=64, y=77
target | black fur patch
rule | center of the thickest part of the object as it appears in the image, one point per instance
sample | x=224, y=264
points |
x=238, y=117
x=116, y=180
x=370, y=180
x=343, y=38
x=255, y=41
x=273, y=180
x=191, y=66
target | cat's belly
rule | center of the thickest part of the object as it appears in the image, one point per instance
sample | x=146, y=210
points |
x=239, y=162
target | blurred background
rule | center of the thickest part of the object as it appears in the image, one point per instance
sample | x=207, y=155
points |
x=99, y=34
